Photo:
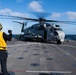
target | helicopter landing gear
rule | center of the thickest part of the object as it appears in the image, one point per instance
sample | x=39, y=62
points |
x=58, y=42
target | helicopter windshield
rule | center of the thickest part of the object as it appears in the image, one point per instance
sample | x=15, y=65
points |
x=58, y=29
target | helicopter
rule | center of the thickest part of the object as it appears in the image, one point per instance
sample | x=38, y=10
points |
x=45, y=30
x=42, y=31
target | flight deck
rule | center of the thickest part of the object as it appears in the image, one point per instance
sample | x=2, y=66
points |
x=35, y=58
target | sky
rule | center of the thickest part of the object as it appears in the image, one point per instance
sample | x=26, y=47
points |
x=60, y=10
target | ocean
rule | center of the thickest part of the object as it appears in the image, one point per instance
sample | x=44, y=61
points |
x=70, y=37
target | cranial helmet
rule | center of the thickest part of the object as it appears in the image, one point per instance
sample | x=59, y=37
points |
x=1, y=26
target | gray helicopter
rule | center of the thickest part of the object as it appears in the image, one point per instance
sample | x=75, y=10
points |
x=45, y=30
x=42, y=31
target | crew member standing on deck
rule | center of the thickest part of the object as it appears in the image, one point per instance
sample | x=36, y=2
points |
x=3, y=53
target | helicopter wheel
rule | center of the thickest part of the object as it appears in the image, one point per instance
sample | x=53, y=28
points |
x=58, y=42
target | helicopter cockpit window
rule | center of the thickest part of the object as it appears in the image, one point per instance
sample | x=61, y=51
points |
x=57, y=25
x=55, y=33
x=58, y=29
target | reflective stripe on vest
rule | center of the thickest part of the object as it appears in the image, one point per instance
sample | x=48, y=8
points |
x=2, y=42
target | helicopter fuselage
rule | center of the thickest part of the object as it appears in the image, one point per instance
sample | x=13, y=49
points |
x=45, y=32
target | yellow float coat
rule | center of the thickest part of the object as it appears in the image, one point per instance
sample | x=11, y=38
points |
x=2, y=42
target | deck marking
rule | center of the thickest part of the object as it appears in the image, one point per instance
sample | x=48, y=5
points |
x=49, y=71
x=20, y=45
x=65, y=52
x=69, y=46
x=17, y=70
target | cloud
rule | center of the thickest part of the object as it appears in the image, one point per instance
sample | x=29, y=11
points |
x=35, y=6
x=68, y=15
x=71, y=15
x=7, y=11
x=56, y=15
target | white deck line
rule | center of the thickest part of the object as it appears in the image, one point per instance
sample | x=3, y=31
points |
x=49, y=71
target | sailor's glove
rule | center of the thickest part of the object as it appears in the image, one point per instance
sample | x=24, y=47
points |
x=10, y=31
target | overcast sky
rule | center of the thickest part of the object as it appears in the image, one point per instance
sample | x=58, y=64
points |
x=58, y=10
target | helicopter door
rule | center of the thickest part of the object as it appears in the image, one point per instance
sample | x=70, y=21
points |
x=45, y=35
x=50, y=34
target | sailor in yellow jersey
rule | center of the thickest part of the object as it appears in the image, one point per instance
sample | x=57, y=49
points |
x=3, y=53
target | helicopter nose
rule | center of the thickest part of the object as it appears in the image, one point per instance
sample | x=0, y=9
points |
x=61, y=35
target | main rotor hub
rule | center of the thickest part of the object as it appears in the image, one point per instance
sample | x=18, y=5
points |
x=42, y=20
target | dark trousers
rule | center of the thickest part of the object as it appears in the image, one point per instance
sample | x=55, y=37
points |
x=3, y=61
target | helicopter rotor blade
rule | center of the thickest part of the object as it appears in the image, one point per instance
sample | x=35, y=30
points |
x=17, y=17
x=33, y=19
x=17, y=22
x=67, y=22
